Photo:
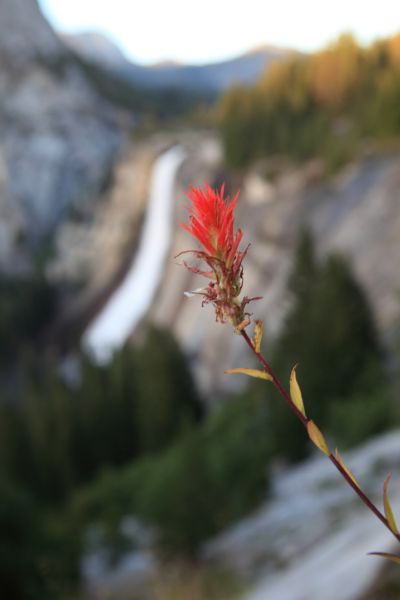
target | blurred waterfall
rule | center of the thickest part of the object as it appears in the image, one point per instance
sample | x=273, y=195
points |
x=128, y=304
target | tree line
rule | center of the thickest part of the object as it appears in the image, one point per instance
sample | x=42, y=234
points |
x=320, y=105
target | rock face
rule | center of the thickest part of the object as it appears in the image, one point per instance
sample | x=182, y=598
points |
x=95, y=254
x=309, y=539
x=24, y=33
x=58, y=139
x=312, y=533
x=96, y=48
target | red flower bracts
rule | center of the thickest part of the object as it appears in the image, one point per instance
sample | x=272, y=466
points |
x=211, y=222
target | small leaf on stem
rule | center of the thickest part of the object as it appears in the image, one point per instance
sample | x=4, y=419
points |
x=388, y=509
x=393, y=557
x=239, y=328
x=258, y=333
x=345, y=467
x=317, y=438
x=295, y=392
x=251, y=373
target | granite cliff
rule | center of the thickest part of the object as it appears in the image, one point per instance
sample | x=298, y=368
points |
x=58, y=138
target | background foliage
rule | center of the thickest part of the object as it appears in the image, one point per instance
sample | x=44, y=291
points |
x=322, y=105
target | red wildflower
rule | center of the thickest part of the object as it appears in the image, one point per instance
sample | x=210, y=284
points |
x=211, y=222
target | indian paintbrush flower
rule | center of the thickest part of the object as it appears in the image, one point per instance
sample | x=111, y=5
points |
x=211, y=222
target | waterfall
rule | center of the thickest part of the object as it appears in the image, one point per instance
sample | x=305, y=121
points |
x=128, y=304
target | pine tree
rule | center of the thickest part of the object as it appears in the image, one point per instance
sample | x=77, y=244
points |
x=330, y=332
x=168, y=401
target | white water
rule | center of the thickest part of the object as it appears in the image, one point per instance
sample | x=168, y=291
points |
x=130, y=301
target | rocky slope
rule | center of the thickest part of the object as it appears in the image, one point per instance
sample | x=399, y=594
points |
x=58, y=139
x=96, y=48
x=93, y=255
x=312, y=532
x=25, y=34
x=308, y=535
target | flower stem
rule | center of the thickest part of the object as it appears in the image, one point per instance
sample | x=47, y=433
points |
x=304, y=421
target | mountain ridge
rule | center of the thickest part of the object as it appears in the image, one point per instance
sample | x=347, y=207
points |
x=210, y=76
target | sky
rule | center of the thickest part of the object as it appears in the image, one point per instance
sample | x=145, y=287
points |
x=150, y=31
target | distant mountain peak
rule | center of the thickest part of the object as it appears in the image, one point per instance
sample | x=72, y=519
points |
x=96, y=47
x=206, y=78
x=267, y=48
x=166, y=64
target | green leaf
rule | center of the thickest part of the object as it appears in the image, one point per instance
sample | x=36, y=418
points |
x=387, y=507
x=295, y=392
x=251, y=373
x=393, y=557
x=258, y=333
x=317, y=438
